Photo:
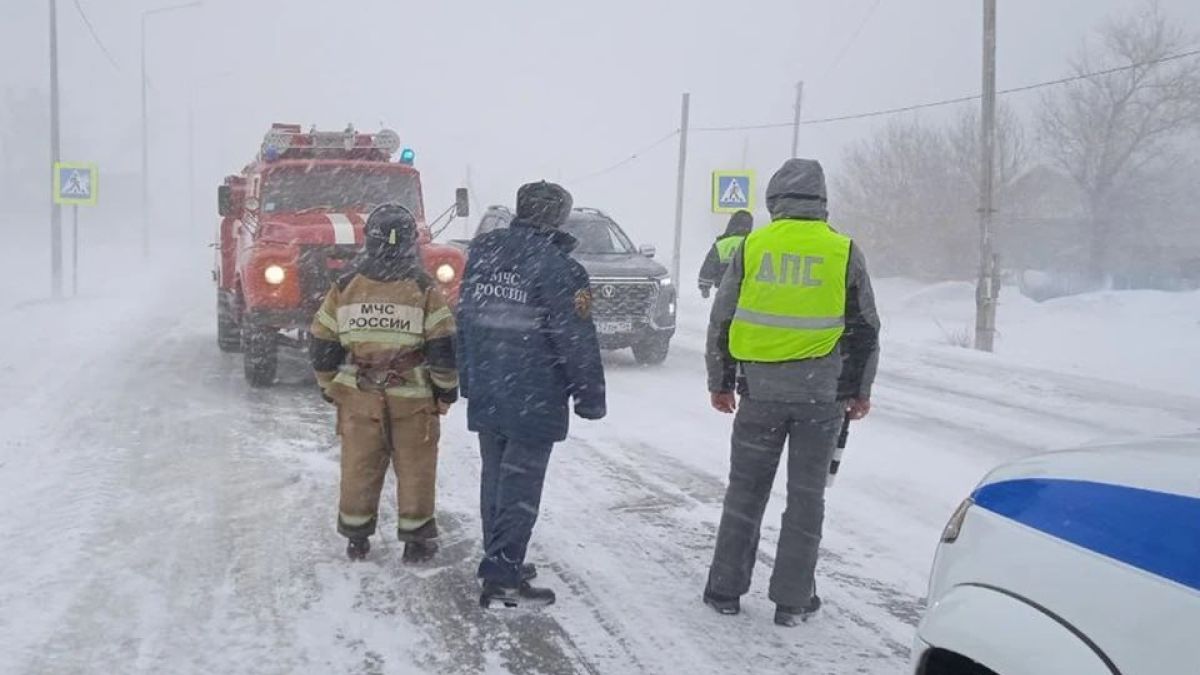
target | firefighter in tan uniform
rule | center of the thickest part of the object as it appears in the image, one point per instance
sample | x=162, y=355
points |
x=383, y=350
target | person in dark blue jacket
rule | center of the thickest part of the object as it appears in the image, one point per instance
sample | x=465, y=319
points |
x=527, y=347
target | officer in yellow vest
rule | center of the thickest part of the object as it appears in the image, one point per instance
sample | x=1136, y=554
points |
x=717, y=260
x=795, y=331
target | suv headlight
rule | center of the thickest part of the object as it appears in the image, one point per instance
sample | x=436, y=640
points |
x=274, y=274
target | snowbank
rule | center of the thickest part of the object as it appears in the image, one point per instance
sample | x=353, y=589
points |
x=1150, y=339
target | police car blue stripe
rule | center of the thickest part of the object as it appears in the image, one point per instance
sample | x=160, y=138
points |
x=1157, y=532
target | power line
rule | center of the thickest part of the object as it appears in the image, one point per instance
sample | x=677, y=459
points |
x=95, y=36
x=960, y=99
x=632, y=157
x=853, y=38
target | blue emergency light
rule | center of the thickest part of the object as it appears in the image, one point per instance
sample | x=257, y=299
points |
x=407, y=156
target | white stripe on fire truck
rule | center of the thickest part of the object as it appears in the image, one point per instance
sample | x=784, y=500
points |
x=343, y=229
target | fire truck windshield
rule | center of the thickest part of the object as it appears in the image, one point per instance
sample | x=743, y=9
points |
x=338, y=188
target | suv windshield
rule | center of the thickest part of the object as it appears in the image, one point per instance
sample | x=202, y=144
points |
x=338, y=189
x=597, y=235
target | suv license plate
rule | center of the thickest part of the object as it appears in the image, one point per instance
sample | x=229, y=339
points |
x=613, y=327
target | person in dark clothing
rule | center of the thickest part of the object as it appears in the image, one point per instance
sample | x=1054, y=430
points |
x=527, y=347
x=795, y=332
x=717, y=260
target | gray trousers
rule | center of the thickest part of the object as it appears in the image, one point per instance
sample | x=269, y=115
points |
x=760, y=431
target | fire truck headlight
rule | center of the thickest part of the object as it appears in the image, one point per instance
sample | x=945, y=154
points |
x=446, y=273
x=274, y=275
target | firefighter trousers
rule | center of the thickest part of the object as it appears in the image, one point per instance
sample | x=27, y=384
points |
x=760, y=431
x=375, y=433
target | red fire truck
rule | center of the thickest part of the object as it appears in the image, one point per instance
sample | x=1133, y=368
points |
x=292, y=221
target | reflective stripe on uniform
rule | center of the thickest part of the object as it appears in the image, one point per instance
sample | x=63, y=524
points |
x=800, y=322
x=437, y=317
x=327, y=321
x=354, y=521
x=381, y=338
x=381, y=316
x=410, y=524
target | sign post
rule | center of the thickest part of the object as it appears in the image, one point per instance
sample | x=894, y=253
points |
x=76, y=184
x=732, y=191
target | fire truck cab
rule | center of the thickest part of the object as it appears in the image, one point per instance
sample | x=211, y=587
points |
x=292, y=222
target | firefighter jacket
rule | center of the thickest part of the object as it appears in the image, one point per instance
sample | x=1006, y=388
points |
x=392, y=336
x=527, y=343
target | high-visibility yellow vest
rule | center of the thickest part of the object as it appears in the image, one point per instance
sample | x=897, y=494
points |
x=727, y=245
x=792, y=304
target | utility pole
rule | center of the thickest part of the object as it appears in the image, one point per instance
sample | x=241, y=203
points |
x=679, y=185
x=796, y=119
x=986, y=289
x=56, y=239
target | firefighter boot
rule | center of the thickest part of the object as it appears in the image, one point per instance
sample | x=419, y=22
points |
x=357, y=548
x=420, y=545
x=419, y=551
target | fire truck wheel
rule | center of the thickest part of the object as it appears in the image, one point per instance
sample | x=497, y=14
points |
x=229, y=333
x=261, y=357
x=651, y=351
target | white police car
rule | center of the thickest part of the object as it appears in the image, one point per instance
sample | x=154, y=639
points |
x=1080, y=562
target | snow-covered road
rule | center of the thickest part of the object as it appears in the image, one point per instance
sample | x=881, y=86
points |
x=160, y=516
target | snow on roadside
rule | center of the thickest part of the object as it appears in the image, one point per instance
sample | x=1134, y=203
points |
x=1149, y=339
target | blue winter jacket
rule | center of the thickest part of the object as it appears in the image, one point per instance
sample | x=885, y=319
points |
x=526, y=341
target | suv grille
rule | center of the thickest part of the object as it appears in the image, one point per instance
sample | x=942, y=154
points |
x=623, y=300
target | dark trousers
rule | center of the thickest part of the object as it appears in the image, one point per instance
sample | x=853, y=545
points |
x=509, y=497
x=760, y=432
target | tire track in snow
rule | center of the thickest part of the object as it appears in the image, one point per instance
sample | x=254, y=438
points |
x=666, y=536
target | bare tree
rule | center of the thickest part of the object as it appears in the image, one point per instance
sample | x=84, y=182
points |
x=910, y=192
x=1113, y=133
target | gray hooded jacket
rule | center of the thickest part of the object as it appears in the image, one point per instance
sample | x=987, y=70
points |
x=797, y=191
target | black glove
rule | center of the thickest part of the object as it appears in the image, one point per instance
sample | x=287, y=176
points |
x=704, y=290
x=325, y=395
x=590, y=413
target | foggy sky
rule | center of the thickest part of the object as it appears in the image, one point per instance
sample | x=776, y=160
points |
x=526, y=89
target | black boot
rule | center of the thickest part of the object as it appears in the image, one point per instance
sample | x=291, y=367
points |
x=724, y=604
x=419, y=551
x=510, y=597
x=792, y=616
x=357, y=548
x=528, y=572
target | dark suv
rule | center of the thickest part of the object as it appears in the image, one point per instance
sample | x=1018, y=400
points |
x=633, y=299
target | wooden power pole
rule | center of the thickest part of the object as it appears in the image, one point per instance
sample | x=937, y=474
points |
x=987, y=287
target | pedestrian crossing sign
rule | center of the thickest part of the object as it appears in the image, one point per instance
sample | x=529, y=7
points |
x=732, y=191
x=76, y=184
